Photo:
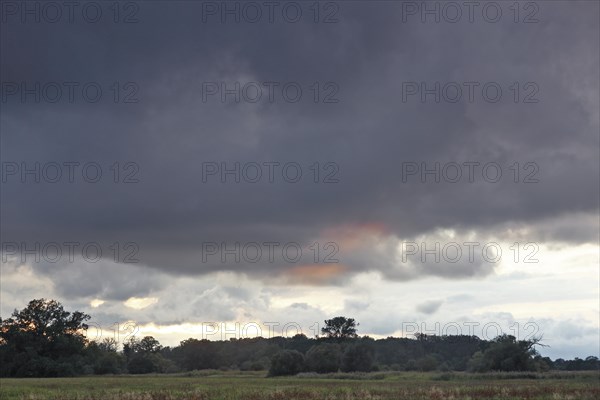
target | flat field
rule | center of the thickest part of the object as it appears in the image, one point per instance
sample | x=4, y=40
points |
x=216, y=385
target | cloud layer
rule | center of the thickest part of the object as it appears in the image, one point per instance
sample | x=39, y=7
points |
x=366, y=165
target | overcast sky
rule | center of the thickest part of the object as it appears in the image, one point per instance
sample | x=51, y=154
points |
x=402, y=163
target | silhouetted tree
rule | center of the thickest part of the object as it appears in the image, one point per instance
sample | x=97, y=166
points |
x=340, y=328
x=143, y=356
x=45, y=340
x=42, y=340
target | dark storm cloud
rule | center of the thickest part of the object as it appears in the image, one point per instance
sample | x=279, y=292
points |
x=370, y=134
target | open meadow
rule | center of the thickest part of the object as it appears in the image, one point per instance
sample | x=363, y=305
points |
x=216, y=385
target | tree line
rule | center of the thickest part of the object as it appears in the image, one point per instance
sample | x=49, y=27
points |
x=44, y=340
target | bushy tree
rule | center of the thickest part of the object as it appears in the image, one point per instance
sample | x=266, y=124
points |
x=357, y=357
x=194, y=354
x=103, y=357
x=143, y=356
x=340, y=328
x=286, y=362
x=146, y=345
x=43, y=340
x=506, y=353
x=323, y=358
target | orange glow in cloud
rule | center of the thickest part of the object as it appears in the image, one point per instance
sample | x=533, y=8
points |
x=315, y=274
x=355, y=236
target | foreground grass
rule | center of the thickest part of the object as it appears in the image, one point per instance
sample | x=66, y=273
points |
x=213, y=385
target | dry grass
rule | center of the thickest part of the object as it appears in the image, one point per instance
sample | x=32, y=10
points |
x=215, y=385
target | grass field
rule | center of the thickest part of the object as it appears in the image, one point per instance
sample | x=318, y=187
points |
x=205, y=385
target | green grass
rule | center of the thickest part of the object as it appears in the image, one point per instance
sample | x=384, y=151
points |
x=216, y=385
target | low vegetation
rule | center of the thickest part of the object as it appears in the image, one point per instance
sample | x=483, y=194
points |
x=218, y=385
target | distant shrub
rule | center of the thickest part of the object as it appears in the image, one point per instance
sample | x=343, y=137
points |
x=323, y=358
x=396, y=367
x=446, y=376
x=286, y=362
x=426, y=364
x=444, y=367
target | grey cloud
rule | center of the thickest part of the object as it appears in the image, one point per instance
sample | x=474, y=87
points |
x=369, y=133
x=429, y=307
x=104, y=279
